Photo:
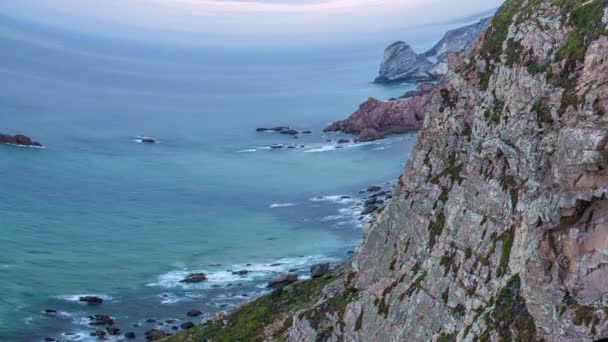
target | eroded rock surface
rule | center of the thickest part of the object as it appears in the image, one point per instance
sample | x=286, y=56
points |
x=497, y=229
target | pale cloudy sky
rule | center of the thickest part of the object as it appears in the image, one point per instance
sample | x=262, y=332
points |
x=245, y=20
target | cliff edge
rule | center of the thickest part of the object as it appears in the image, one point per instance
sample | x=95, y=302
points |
x=497, y=229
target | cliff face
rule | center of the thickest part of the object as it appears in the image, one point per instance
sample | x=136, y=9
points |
x=498, y=226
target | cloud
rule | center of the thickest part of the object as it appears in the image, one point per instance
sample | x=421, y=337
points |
x=242, y=20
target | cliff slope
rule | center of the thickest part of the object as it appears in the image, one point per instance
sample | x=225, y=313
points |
x=497, y=228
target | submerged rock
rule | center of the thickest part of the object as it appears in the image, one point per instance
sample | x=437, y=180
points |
x=194, y=278
x=194, y=313
x=130, y=336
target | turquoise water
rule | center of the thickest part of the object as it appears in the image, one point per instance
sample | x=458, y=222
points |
x=96, y=212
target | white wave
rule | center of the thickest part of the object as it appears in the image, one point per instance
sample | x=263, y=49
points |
x=249, y=150
x=25, y=146
x=332, y=218
x=170, y=298
x=256, y=272
x=281, y=205
x=326, y=148
x=340, y=199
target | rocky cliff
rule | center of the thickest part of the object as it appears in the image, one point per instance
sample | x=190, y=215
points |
x=402, y=64
x=497, y=228
x=376, y=119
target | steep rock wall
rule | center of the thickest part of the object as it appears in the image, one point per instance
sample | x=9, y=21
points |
x=498, y=226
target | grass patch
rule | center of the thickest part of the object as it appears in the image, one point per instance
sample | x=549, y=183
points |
x=247, y=322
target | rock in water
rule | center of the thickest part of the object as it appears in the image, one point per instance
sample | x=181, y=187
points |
x=319, y=270
x=401, y=63
x=155, y=334
x=283, y=280
x=91, y=299
x=187, y=325
x=194, y=313
x=376, y=119
x=130, y=336
x=18, y=139
x=194, y=278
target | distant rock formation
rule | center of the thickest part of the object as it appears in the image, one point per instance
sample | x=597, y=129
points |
x=18, y=139
x=402, y=64
x=376, y=119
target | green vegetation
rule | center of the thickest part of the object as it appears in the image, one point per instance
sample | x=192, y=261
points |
x=468, y=253
x=467, y=329
x=416, y=285
x=507, y=244
x=445, y=295
x=247, y=322
x=510, y=315
x=446, y=337
x=543, y=112
x=583, y=315
x=436, y=229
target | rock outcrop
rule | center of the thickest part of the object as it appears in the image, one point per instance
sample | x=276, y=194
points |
x=402, y=64
x=497, y=228
x=18, y=139
x=376, y=119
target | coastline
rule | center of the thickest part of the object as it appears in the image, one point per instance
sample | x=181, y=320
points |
x=348, y=208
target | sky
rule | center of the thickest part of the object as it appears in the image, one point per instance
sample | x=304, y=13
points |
x=241, y=21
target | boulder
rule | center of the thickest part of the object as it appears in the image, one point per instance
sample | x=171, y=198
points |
x=241, y=272
x=100, y=334
x=155, y=334
x=374, y=188
x=343, y=141
x=319, y=270
x=112, y=330
x=100, y=319
x=130, y=335
x=289, y=132
x=370, y=209
x=194, y=278
x=283, y=280
x=50, y=312
x=187, y=325
x=91, y=300
x=194, y=313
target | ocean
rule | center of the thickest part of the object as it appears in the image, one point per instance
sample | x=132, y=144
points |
x=96, y=212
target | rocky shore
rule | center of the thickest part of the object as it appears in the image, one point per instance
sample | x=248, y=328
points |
x=496, y=229
x=19, y=140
